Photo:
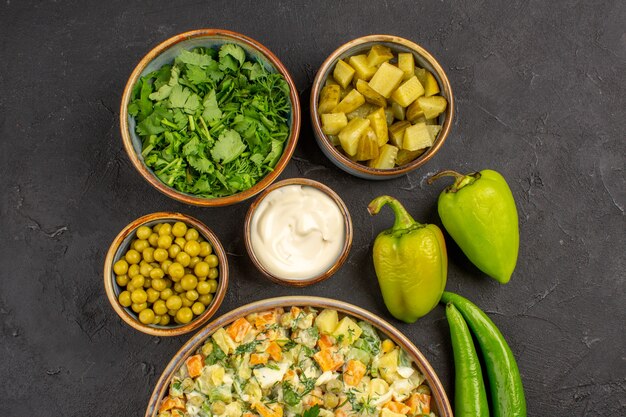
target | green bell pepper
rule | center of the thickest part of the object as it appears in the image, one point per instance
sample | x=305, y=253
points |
x=410, y=262
x=479, y=212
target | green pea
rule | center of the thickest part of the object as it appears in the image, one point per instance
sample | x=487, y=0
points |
x=132, y=257
x=206, y=299
x=174, y=250
x=137, y=282
x=148, y=254
x=213, y=273
x=146, y=316
x=166, y=293
x=184, y=315
x=153, y=295
x=120, y=267
x=144, y=232
x=212, y=260
x=189, y=282
x=192, y=234
x=158, y=284
x=157, y=273
x=174, y=302
x=183, y=258
x=140, y=244
x=203, y=287
x=124, y=299
x=161, y=254
x=192, y=295
x=213, y=285
x=192, y=247
x=164, y=241
x=153, y=239
x=165, y=265
x=145, y=269
x=165, y=229
x=194, y=261
x=205, y=249
x=139, y=296
x=165, y=320
x=179, y=229
x=138, y=307
x=159, y=307
x=180, y=241
x=122, y=280
x=176, y=271
x=198, y=308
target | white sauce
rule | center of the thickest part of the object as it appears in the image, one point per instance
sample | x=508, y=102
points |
x=297, y=232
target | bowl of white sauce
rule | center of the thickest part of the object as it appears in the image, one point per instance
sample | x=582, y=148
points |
x=298, y=232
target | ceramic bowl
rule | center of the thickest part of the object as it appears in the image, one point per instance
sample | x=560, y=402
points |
x=440, y=402
x=121, y=244
x=361, y=45
x=347, y=225
x=165, y=53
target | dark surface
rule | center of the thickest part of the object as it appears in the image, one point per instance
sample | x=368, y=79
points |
x=540, y=97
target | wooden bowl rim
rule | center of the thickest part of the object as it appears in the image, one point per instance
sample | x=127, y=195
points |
x=109, y=276
x=171, y=192
x=443, y=404
x=347, y=220
x=363, y=169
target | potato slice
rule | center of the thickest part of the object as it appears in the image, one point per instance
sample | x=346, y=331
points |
x=406, y=62
x=368, y=146
x=362, y=111
x=434, y=130
x=329, y=98
x=414, y=112
x=416, y=137
x=431, y=87
x=408, y=92
x=420, y=73
x=396, y=132
x=432, y=106
x=350, y=102
x=386, y=158
x=378, y=122
x=362, y=70
x=349, y=135
x=343, y=73
x=404, y=156
x=370, y=95
x=332, y=123
x=399, y=112
x=378, y=54
x=387, y=78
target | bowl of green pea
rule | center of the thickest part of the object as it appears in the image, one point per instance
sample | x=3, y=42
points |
x=166, y=274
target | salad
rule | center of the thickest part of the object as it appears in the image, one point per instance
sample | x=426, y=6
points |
x=298, y=363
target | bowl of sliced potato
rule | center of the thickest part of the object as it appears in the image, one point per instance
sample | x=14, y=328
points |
x=381, y=106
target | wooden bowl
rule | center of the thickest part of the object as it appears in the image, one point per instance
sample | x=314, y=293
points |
x=165, y=53
x=347, y=225
x=121, y=244
x=441, y=403
x=361, y=45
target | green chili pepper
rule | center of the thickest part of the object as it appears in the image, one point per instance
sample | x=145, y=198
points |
x=470, y=397
x=479, y=212
x=505, y=382
x=410, y=262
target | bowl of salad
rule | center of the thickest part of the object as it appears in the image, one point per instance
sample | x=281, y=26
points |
x=299, y=356
x=210, y=117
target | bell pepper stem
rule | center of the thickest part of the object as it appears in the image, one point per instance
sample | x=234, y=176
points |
x=460, y=180
x=403, y=218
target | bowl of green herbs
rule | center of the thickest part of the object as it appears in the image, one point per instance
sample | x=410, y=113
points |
x=210, y=117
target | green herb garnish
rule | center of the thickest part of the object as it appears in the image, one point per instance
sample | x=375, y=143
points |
x=213, y=123
x=247, y=347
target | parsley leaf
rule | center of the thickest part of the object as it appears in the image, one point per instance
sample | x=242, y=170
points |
x=228, y=147
x=312, y=412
